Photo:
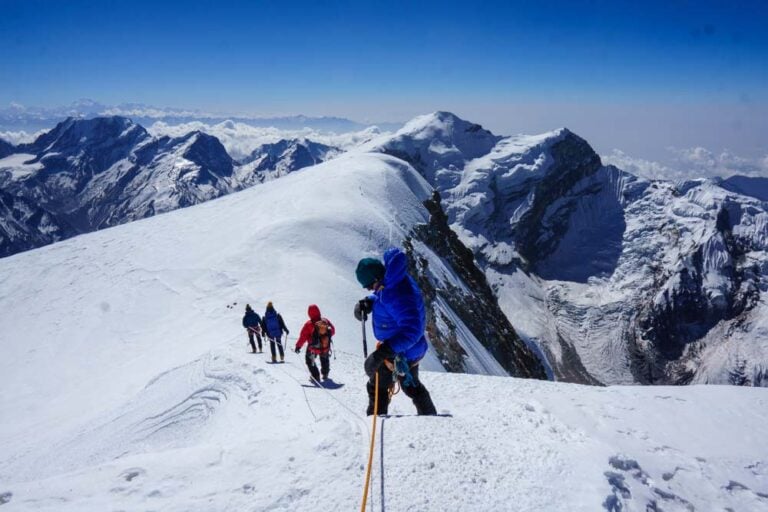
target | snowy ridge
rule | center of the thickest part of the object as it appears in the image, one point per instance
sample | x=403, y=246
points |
x=144, y=395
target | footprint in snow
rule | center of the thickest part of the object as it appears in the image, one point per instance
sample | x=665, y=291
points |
x=734, y=486
x=621, y=495
x=5, y=497
x=129, y=474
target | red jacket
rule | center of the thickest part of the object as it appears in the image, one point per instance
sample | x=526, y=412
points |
x=309, y=328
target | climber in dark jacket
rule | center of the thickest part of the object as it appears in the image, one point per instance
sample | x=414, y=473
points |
x=398, y=318
x=274, y=327
x=252, y=322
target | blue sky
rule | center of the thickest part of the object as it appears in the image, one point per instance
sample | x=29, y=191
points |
x=513, y=66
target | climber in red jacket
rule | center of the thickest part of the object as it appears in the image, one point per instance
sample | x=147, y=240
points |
x=318, y=331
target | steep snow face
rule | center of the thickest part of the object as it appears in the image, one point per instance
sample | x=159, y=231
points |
x=464, y=322
x=128, y=383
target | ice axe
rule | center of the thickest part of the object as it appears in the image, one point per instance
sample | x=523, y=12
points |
x=361, y=313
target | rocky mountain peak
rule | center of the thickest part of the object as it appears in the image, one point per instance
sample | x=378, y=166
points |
x=440, y=140
x=76, y=135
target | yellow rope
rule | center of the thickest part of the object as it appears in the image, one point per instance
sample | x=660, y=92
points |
x=373, y=437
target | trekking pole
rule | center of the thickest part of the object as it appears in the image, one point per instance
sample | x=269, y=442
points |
x=365, y=342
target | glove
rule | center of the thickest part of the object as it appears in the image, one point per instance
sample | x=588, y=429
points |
x=376, y=359
x=298, y=349
x=363, y=308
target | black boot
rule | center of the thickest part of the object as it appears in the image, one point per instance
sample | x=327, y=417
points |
x=385, y=379
x=419, y=394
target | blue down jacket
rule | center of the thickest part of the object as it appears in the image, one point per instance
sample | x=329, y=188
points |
x=398, y=309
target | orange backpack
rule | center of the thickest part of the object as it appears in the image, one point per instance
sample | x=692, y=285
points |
x=321, y=336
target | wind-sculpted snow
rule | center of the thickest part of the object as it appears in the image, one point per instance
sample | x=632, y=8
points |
x=231, y=431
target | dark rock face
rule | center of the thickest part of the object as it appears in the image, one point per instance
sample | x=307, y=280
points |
x=6, y=148
x=574, y=160
x=209, y=154
x=478, y=309
x=748, y=186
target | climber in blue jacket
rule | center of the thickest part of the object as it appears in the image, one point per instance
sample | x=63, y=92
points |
x=398, y=317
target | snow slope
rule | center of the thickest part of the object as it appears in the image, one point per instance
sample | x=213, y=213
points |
x=127, y=384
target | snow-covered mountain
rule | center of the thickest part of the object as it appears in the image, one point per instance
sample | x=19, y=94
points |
x=615, y=278
x=128, y=384
x=269, y=161
x=88, y=174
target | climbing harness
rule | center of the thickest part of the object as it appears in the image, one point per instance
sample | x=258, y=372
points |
x=403, y=369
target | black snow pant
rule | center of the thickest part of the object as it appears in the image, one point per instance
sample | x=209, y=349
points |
x=251, y=334
x=325, y=364
x=279, y=342
x=418, y=392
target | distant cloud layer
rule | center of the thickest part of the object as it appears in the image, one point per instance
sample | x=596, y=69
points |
x=690, y=163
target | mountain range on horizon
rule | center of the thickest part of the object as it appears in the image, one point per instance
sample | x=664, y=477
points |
x=17, y=117
x=569, y=268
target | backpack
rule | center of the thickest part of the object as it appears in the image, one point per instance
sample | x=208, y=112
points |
x=272, y=323
x=321, y=336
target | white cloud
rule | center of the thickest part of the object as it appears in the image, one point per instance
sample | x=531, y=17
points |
x=241, y=139
x=641, y=167
x=709, y=164
x=690, y=163
x=20, y=137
